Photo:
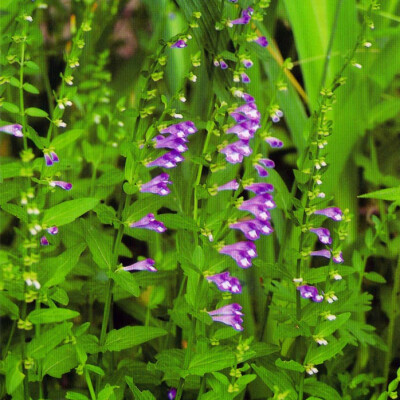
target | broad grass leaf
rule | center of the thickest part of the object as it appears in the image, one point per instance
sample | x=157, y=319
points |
x=390, y=194
x=214, y=360
x=51, y=315
x=68, y=211
x=60, y=361
x=130, y=336
x=41, y=345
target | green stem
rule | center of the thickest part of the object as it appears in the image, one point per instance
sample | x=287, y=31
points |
x=392, y=320
x=5, y=350
x=90, y=385
x=21, y=92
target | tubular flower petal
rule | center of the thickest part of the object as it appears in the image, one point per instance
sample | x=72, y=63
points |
x=310, y=292
x=170, y=142
x=235, y=152
x=260, y=188
x=262, y=172
x=245, y=77
x=324, y=236
x=144, y=265
x=223, y=64
x=149, y=222
x=248, y=98
x=267, y=162
x=229, y=315
x=225, y=282
x=44, y=241
x=13, y=129
x=231, y=185
x=241, y=252
x=274, y=142
x=247, y=63
x=171, y=394
x=265, y=200
x=182, y=129
x=168, y=160
x=157, y=185
x=61, y=184
x=259, y=211
x=262, y=41
x=334, y=213
x=53, y=230
x=48, y=160
x=180, y=44
x=337, y=257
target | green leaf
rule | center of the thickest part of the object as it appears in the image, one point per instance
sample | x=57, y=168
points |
x=95, y=369
x=390, y=194
x=326, y=328
x=41, y=345
x=374, y=277
x=15, y=210
x=14, y=375
x=317, y=355
x=129, y=336
x=30, y=88
x=8, y=307
x=99, y=246
x=10, y=107
x=126, y=281
x=76, y=396
x=60, y=361
x=178, y=221
x=107, y=393
x=32, y=66
x=321, y=389
x=36, y=112
x=198, y=258
x=138, y=395
x=214, y=360
x=54, y=270
x=68, y=211
x=142, y=207
x=66, y=139
x=50, y=315
x=290, y=365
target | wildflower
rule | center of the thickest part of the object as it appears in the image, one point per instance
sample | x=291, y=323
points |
x=262, y=172
x=330, y=317
x=324, y=236
x=59, y=123
x=335, y=275
x=248, y=98
x=260, y=188
x=247, y=62
x=144, y=265
x=245, y=78
x=180, y=44
x=53, y=230
x=44, y=241
x=262, y=41
x=253, y=228
x=265, y=200
x=170, y=142
x=171, y=394
x=168, y=160
x=149, y=222
x=13, y=129
x=310, y=369
x=241, y=252
x=320, y=340
x=61, y=184
x=157, y=185
x=225, y=282
x=267, y=162
x=310, y=292
x=231, y=185
x=330, y=297
x=337, y=256
x=274, y=142
x=334, y=213
x=244, y=19
x=229, y=315
x=181, y=130
x=235, y=152
x=249, y=110
x=50, y=157
x=259, y=211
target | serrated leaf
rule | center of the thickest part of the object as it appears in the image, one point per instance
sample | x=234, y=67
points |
x=211, y=361
x=68, y=211
x=317, y=355
x=51, y=315
x=290, y=365
x=126, y=281
x=130, y=336
x=36, y=112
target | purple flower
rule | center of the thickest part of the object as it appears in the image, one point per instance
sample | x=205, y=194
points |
x=245, y=130
x=310, y=292
x=262, y=41
x=324, y=236
x=274, y=142
x=259, y=211
x=253, y=228
x=61, y=184
x=50, y=158
x=337, y=258
x=267, y=162
x=249, y=110
x=13, y=129
x=231, y=185
x=247, y=63
x=226, y=283
x=180, y=44
x=234, y=152
x=264, y=199
x=168, y=160
x=260, y=188
x=149, y=222
x=245, y=77
x=144, y=265
x=182, y=129
x=223, y=64
x=245, y=18
x=170, y=142
x=44, y=241
x=241, y=252
x=248, y=98
x=262, y=172
x=53, y=230
x=171, y=394
x=334, y=213
x=229, y=315
x=157, y=185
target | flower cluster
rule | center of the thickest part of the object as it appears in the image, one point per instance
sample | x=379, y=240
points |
x=229, y=315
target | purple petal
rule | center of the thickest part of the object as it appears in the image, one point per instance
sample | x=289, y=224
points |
x=247, y=63
x=223, y=64
x=321, y=253
x=144, y=265
x=248, y=98
x=54, y=156
x=267, y=162
x=171, y=394
x=143, y=221
x=262, y=172
x=13, y=129
x=262, y=41
x=53, y=230
x=274, y=142
x=61, y=184
x=48, y=159
x=334, y=213
x=229, y=309
x=180, y=44
x=245, y=77
x=310, y=292
x=248, y=228
x=260, y=188
x=324, y=236
x=44, y=241
x=231, y=185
